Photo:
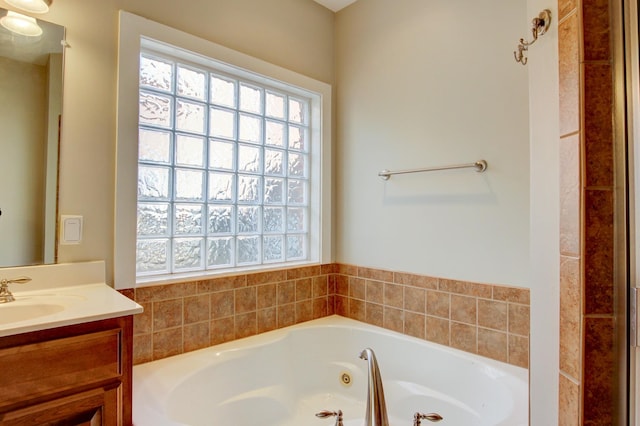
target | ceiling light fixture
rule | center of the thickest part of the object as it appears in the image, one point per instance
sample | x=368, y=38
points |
x=21, y=24
x=33, y=6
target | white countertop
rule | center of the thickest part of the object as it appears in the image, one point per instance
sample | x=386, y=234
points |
x=62, y=306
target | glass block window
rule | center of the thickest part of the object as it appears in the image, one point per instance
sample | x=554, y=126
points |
x=223, y=170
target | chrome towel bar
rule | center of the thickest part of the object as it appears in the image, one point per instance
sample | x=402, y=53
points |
x=479, y=165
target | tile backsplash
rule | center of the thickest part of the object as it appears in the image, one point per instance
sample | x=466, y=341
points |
x=483, y=319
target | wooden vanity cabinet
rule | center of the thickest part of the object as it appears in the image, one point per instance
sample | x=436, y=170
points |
x=73, y=375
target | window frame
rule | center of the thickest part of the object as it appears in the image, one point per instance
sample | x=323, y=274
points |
x=137, y=33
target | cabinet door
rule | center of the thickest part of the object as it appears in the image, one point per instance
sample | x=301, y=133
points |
x=91, y=408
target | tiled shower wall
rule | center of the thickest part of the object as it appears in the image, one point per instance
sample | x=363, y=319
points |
x=488, y=320
x=587, y=315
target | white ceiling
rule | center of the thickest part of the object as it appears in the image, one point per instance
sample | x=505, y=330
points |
x=335, y=5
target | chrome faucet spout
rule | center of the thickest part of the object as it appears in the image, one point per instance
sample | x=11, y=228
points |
x=376, y=414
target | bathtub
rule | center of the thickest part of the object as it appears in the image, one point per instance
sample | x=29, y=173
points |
x=284, y=377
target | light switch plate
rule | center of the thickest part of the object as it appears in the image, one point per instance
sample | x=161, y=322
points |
x=70, y=229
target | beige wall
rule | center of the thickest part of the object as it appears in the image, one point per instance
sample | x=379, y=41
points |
x=22, y=113
x=296, y=34
x=430, y=83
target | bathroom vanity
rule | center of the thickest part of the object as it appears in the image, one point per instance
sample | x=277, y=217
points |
x=74, y=375
x=66, y=353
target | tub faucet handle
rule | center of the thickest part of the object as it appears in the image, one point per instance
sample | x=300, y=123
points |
x=432, y=417
x=326, y=413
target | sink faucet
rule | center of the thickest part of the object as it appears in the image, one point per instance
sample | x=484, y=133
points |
x=376, y=414
x=5, y=294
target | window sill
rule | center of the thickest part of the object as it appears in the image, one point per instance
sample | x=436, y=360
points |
x=154, y=280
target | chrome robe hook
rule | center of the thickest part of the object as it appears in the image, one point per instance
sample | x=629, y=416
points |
x=539, y=26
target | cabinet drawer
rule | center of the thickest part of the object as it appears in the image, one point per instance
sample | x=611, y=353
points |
x=40, y=369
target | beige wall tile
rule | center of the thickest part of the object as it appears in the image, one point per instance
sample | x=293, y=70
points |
x=464, y=337
x=167, y=343
x=286, y=292
x=320, y=307
x=345, y=269
x=222, y=304
x=415, y=299
x=304, y=311
x=394, y=319
x=518, y=350
x=415, y=324
x=437, y=330
x=142, y=348
x=245, y=300
x=519, y=319
x=570, y=190
x=492, y=314
x=511, y=294
x=143, y=323
x=303, y=272
x=393, y=295
x=222, y=330
x=414, y=280
x=374, y=314
x=342, y=285
x=569, y=75
x=167, y=314
x=492, y=344
x=357, y=288
x=286, y=315
x=165, y=292
x=438, y=303
x=266, y=296
x=357, y=309
x=328, y=268
x=375, y=291
x=342, y=306
x=197, y=308
x=570, y=317
x=331, y=284
x=331, y=304
x=197, y=336
x=267, y=277
x=320, y=286
x=565, y=7
x=303, y=289
x=246, y=324
x=465, y=288
x=267, y=319
x=375, y=274
x=222, y=283
x=464, y=309
x=568, y=402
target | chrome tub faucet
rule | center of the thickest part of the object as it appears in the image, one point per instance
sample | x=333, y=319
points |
x=376, y=414
x=5, y=293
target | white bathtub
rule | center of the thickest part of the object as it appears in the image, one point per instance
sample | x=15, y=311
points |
x=284, y=377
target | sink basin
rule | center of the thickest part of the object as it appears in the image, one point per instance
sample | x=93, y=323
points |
x=9, y=314
x=30, y=307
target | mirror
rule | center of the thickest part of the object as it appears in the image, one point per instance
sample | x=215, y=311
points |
x=31, y=69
